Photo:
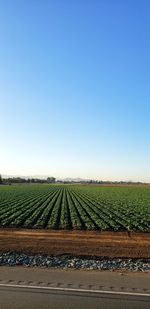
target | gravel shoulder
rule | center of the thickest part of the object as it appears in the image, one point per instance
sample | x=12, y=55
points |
x=104, y=279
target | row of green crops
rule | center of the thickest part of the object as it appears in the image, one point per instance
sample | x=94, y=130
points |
x=81, y=207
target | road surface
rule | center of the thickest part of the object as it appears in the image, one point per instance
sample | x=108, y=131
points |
x=22, y=288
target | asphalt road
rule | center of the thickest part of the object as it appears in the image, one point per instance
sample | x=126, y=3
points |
x=21, y=298
x=22, y=288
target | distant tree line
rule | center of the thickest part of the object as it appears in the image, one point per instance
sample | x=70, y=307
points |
x=107, y=182
x=12, y=180
x=101, y=182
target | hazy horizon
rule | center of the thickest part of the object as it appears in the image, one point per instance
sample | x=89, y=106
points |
x=75, y=95
x=71, y=178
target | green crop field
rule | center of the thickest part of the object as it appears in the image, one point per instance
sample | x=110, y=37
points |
x=75, y=207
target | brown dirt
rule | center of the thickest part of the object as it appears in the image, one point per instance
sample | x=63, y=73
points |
x=112, y=244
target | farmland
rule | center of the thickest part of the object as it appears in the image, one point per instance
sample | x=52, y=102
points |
x=75, y=207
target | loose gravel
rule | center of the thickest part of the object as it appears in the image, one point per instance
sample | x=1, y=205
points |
x=71, y=262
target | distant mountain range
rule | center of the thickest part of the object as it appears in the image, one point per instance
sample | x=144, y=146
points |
x=74, y=179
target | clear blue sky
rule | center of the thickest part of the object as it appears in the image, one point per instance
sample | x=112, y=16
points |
x=75, y=88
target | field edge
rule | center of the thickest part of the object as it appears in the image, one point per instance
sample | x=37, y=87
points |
x=77, y=243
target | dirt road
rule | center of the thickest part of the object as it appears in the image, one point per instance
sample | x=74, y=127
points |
x=112, y=244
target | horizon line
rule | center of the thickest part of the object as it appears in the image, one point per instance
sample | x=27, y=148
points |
x=71, y=178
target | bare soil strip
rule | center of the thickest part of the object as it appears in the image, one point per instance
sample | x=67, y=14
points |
x=78, y=243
